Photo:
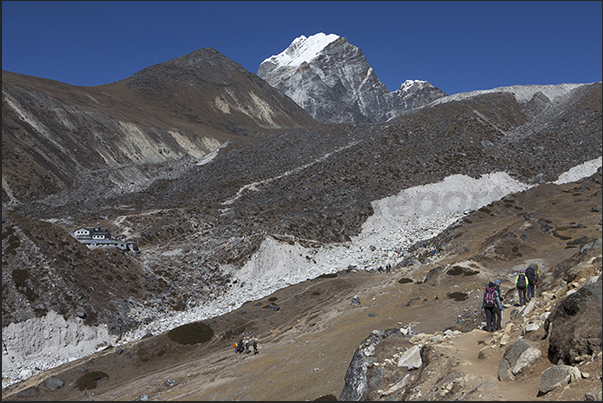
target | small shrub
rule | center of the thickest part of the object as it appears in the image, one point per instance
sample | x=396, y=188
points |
x=191, y=333
x=458, y=296
x=89, y=379
x=458, y=270
x=19, y=277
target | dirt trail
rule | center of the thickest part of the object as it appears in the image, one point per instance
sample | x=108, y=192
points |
x=485, y=369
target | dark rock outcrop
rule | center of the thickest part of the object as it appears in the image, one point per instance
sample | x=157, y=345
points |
x=575, y=326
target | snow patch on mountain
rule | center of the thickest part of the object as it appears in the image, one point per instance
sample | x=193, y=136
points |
x=408, y=84
x=332, y=80
x=42, y=343
x=522, y=93
x=302, y=49
x=581, y=171
x=398, y=222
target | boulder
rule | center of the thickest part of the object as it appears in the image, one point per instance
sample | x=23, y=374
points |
x=355, y=377
x=411, y=359
x=594, y=396
x=356, y=382
x=53, y=383
x=555, y=376
x=574, y=328
x=520, y=356
x=29, y=392
x=532, y=326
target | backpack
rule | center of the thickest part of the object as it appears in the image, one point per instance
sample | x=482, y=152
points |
x=521, y=281
x=239, y=347
x=490, y=297
x=531, y=275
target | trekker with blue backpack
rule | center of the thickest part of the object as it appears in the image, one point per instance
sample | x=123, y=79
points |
x=491, y=305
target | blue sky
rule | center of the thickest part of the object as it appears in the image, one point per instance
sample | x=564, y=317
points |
x=456, y=46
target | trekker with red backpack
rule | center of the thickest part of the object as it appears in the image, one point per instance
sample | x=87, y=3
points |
x=491, y=305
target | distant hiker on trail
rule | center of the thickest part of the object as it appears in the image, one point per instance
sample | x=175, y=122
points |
x=502, y=305
x=497, y=288
x=491, y=304
x=532, y=277
x=244, y=344
x=239, y=346
x=521, y=283
x=251, y=343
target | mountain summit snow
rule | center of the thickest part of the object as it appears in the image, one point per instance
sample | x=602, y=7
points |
x=302, y=50
x=332, y=80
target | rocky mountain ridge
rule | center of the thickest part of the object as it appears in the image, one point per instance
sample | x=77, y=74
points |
x=332, y=80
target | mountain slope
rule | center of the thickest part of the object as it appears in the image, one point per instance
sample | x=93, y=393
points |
x=205, y=86
x=231, y=200
x=306, y=192
x=314, y=334
x=56, y=136
x=332, y=80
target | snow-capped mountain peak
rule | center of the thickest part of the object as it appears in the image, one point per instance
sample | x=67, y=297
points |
x=332, y=80
x=302, y=49
x=406, y=85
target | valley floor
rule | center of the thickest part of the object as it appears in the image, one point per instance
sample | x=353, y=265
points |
x=307, y=344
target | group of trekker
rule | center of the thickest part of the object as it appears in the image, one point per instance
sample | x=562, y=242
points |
x=492, y=301
x=526, y=283
x=245, y=344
